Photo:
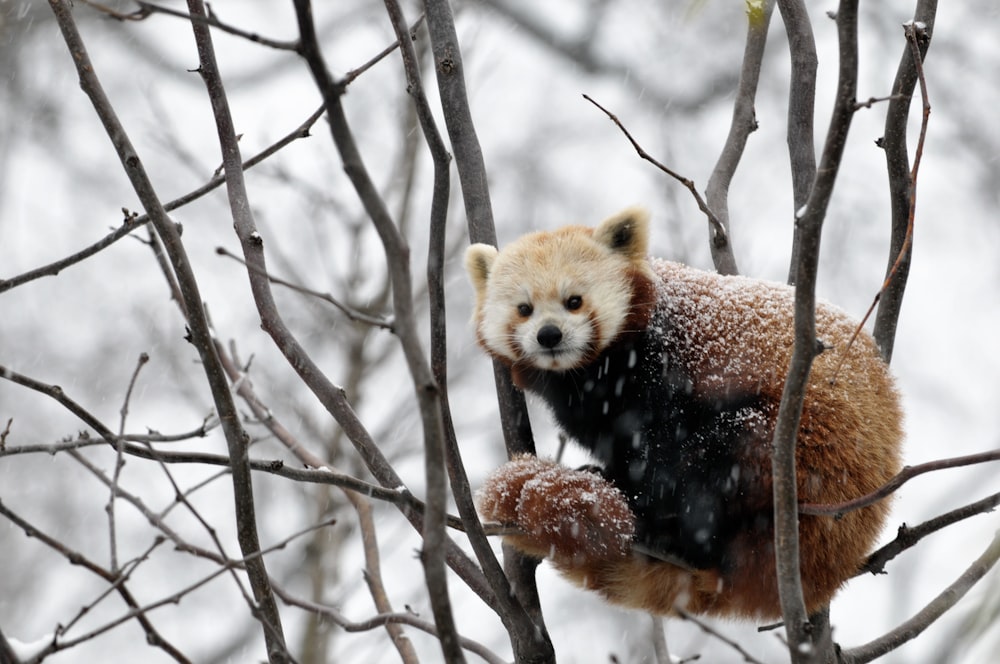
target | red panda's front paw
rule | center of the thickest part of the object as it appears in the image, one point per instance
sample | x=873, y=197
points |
x=563, y=513
x=497, y=499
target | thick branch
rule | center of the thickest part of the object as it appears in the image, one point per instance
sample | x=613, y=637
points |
x=529, y=638
x=801, y=109
x=744, y=122
x=801, y=645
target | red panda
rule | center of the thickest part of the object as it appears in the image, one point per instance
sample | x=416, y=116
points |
x=671, y=378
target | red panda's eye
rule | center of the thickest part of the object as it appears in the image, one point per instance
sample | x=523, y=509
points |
x=574, y=302
x=524, y=310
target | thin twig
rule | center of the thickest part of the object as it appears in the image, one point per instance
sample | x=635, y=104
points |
x=716, y=634
x=142, y=611
x=120, y=461
x=76, y=558
x=907, y=537
x=901, y=184
x=719, y=236
x=383, y=619
x=86, y=440
x=147, y=9
x=909, y=472
x=352, y=314
x=134, y=222
x=898, y=269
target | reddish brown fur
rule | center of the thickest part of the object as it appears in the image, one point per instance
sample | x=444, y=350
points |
x=733, y=334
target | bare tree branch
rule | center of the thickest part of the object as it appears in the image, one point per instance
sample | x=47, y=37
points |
x=744, y=122
x=397, y=257
x=902, y=194
x=907, y=537
x=714, y=633
x=903, y=476
x=383, y=619
x=529, y=637
x=802, y=645
x=133, y=222
x=361, y=504
x=115, y=579
x=920, y=621
x=719, y=235
x=351, y=313
x=120, y=463
x=147, y=9
x=200, y=334
x=474, y=183
x=801, y=111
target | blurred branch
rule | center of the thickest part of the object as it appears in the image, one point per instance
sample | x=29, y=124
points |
x=808, y=642
x=583, y=51
x=719, y=235
x=384, y=619
x=801, y=111
x=913, y=627
x=902, y=181
x=743, y=123
x=7, y=654
x=147, y=9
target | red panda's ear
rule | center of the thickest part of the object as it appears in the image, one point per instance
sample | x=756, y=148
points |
x=479, y=259
x=626, y=233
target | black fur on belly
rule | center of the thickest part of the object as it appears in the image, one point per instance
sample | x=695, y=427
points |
x=675, y=457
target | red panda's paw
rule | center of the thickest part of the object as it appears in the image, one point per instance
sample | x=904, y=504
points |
x=576, y=515
x=500, y=494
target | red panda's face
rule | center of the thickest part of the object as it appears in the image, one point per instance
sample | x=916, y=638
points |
x=554, y=301
x=553, y=309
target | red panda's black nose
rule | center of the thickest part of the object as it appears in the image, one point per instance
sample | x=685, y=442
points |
x=549, y=336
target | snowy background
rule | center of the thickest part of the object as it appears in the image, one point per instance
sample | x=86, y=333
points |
x=668, y=70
